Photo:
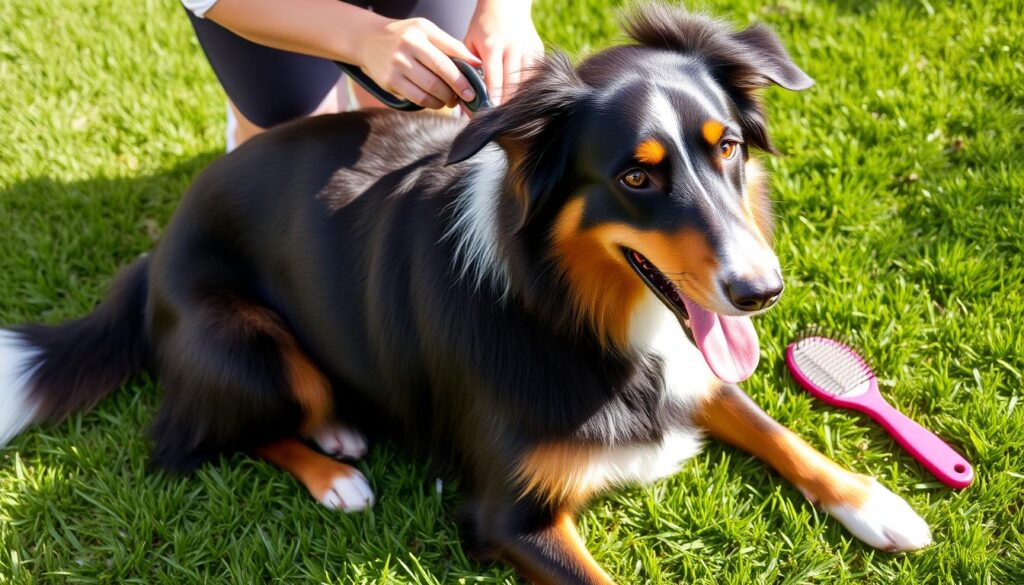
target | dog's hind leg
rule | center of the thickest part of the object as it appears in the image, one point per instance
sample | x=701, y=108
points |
x=871, y=512
x=334, y=484
x=338, y=440
x=235, y=379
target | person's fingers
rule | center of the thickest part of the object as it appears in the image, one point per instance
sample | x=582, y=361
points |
x=449, y=45
x=442, y=66
x=494, y=75
x=409, y=90
x=513, y=66
x=433, y=85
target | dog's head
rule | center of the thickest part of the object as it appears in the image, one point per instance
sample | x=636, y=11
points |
x=635, y=167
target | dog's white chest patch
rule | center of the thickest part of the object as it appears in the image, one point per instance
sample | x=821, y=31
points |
x=643, y=463
x=655, y=330
x=567, y=470
x=576, y=472
x=688, y=379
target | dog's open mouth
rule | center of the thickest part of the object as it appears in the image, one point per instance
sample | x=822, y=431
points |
x=660, y=284
x=728, y=344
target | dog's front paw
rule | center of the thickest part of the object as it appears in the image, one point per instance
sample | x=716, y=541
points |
x=341, y=441
x=883, y=520
x=348, y=491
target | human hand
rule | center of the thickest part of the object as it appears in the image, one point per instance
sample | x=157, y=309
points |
x=503, y=35
x=412, y=59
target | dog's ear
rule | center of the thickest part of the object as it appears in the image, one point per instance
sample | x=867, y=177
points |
x=553, y=90
x=740, y=62
x=770, y=59
x=533, y=130
x=477, y=134
x=760, y=60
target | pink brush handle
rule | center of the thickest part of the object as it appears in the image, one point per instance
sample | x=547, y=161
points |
x=938, y=457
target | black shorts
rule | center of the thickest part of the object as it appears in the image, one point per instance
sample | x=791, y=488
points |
x=271, y=86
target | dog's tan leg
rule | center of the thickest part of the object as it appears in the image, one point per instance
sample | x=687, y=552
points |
x=308, y=385
x=554, y=555
x=313, y=393
x=868, y=510
x=334, y=484
x=542, y=544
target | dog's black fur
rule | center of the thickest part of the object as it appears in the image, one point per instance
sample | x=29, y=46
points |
x=338, y=229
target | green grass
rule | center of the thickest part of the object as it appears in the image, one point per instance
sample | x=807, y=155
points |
x=900, y=222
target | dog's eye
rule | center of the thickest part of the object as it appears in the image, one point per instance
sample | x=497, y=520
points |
x=729, y=149
x=635, y=179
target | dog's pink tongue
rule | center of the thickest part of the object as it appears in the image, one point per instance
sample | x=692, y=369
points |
x=729, y=344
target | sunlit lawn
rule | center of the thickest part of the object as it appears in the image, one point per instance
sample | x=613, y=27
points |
x=901, y=220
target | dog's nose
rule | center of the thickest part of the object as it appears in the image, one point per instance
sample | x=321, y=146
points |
x=754, y=294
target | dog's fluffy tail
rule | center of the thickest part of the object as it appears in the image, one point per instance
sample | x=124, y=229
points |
x=48, y=373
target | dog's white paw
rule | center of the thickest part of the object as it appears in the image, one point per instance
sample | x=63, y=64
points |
x=340, y=441
x=884, y=520
x=348, y=492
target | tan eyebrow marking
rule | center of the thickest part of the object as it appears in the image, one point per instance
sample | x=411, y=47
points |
x=650, y=152
x=712, y=131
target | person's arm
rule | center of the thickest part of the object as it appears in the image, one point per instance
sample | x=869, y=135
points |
x=503, y=35
x=410, y=58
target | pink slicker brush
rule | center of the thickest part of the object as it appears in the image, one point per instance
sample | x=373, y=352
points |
x=835, y=373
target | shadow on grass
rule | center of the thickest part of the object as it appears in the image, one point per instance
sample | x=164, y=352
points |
x=61, y=241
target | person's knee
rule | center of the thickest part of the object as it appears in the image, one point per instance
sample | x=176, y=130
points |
x=277, y=108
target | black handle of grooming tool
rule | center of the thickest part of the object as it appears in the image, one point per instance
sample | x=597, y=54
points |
x=481, y=101
x=475, y=77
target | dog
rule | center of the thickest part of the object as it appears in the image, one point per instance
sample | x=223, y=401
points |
x=554, y=298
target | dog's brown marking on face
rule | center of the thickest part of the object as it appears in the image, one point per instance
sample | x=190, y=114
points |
x=757, y=204
x=650, y=152
x=316, y=471
x=712, y=131
x=731, y=416
x=603, y=285
x=685, y=257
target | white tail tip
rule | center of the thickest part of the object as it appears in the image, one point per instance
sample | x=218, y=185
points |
x=17, y=408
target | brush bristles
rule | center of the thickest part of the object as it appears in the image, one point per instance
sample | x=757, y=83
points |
x=816, y=332
x=832, y=366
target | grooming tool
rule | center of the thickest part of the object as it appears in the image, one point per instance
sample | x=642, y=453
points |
x=475, y=77
x=835, y=373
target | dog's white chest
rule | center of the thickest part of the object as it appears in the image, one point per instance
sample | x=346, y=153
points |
x=688, y=379
x=642, y=463
x=654, y=329
x=576, y=471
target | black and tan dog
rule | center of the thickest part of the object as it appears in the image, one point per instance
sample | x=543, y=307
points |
x=556, y=298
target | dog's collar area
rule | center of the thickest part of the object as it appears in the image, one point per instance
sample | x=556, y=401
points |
x=661, y=285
